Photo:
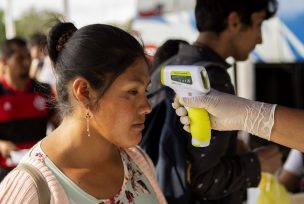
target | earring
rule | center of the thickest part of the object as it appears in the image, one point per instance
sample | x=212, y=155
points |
x=88, y=116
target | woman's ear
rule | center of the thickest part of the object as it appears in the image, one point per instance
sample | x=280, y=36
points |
x=234, y=23
x=81, y=91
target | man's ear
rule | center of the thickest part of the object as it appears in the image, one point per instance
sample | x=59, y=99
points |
x=82, y=91
x=3, y=64
x=234, y=23
x=3, y=60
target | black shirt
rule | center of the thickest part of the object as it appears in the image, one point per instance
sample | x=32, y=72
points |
x=217, y=174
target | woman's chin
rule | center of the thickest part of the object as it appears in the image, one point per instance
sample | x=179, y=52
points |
x=139, y=138
x=136, y=139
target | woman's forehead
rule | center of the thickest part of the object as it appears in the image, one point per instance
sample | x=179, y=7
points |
x=137, y=72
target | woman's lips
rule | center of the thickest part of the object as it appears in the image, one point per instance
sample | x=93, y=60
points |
x=139, y=126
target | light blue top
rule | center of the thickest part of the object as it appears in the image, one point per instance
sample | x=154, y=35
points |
x=135, y=188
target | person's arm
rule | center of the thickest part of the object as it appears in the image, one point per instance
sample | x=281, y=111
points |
x=6, y=147
x=18, y=187
x=228, y=112
x=292, y=171
x=288, y=128
x=34, y=69
x=289, y=180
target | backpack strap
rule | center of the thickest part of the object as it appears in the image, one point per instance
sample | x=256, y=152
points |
x=39, y=180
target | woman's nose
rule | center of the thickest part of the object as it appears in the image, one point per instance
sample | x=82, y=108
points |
x=146, y=106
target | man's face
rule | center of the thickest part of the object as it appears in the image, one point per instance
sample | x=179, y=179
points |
x=248, y=37
x=19, y=63
x=34, y=52
x=37, y=52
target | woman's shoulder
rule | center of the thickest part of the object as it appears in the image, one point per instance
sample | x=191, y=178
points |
x=143, y=161
x=146, y=165
x=20, y=186
x=138, y=154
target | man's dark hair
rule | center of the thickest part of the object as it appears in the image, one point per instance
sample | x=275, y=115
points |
x=211, y=15
x=38, y=39
x=8, y=46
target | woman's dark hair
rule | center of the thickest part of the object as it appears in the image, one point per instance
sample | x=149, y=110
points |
x=211, y=15
x=99, y=53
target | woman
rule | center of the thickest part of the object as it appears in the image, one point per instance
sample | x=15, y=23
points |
x=102, y=76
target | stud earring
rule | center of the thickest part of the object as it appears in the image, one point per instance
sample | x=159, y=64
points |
x=88, y=116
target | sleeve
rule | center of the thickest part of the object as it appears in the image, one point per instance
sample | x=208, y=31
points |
x=294, y=163
x=18, y=188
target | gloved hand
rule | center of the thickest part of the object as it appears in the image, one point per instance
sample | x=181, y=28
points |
x=229, y=112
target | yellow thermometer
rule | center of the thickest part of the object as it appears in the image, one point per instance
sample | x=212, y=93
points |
x=189, y=81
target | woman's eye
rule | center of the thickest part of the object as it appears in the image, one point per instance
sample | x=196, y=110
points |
x=133, y=92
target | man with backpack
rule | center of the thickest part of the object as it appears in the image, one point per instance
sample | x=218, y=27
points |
x=216, y=174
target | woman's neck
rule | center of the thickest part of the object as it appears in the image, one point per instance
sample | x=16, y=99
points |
x=92, y=163
x=17, y=84
x=71, y=145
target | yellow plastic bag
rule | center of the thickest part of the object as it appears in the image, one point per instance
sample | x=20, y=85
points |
x=271, y=191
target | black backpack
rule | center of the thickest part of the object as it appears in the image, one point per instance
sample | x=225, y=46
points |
x=164, y=140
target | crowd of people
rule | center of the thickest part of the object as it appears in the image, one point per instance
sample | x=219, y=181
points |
x=114, y=138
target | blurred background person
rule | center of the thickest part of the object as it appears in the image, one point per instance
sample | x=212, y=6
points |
x=1, y=69
x=25, y=105
x=41, y=67
x=168, y=49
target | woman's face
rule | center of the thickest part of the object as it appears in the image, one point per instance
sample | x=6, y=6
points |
x=121, y=111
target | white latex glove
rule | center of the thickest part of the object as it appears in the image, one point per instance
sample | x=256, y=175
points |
x=229, y=112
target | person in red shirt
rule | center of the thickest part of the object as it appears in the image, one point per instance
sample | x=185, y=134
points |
x=25, y=105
